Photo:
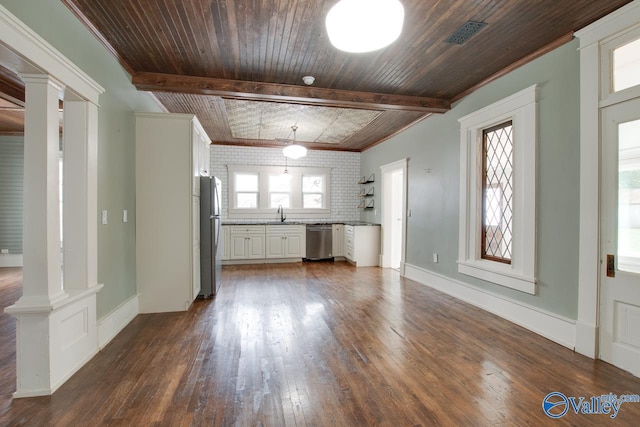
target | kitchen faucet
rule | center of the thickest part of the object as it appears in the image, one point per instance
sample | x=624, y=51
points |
x=281, y=212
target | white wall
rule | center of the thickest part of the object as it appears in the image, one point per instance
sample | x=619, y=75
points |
x=345, y=172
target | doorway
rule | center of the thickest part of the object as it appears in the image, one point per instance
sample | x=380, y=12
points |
x=620, y=274
x=394, y=213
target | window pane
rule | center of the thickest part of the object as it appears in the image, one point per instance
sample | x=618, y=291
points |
x=312, y=184
x=312, y=201
x=280, y=183
x=246, y=182
x=629, y=196
x=278, y=199
x=247, y=200
x=626, y=66
x=497, y=203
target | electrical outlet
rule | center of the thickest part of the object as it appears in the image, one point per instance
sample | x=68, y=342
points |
x=105, y=217
x=4, y=251
x=435, y=258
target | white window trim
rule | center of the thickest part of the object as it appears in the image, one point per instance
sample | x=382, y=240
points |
x=521, y=108
x=263, y=209
x=608, y=46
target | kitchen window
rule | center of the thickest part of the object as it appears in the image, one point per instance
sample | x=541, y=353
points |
x=258, y=191
x=246, y=190
x=312, y=191
x=497, y=192
x=279, y=190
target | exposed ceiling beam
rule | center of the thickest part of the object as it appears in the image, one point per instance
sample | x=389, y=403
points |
x=237, y=89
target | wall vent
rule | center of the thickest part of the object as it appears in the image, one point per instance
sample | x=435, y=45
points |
x=465, y=32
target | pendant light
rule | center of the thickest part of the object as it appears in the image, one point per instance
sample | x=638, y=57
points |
x=294, y=151
x=364, y=25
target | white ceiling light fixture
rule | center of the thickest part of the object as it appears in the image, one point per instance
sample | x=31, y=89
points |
x=364, y=25
x=294, y=151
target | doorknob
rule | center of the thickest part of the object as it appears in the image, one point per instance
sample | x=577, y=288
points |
x=611, y=266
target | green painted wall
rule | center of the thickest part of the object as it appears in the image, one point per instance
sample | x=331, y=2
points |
x=433, y=197
x=11, y=194
x=116, y=140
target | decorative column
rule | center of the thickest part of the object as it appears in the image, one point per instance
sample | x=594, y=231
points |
x=56, y=328
x=56, y=325
x=42, y=284
x=80, y=198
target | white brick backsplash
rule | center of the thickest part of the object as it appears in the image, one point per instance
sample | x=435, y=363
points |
x=345, y=173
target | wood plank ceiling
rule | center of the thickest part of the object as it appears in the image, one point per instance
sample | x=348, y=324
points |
x=215, y=58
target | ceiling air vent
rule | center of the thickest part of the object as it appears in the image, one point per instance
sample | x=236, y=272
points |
x=465, y=32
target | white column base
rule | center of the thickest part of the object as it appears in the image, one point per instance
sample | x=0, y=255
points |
x=53, y=341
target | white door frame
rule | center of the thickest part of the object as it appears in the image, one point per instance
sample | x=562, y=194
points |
x=594, y=94
x=386, y=171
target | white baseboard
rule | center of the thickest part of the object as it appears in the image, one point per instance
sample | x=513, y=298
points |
x=111, y=324
x=587, y=337
x=11, y=260
x=559, y=329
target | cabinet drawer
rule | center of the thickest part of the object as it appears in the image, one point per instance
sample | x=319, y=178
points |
x=250, y=229
x=349, y=230
x=285, y=229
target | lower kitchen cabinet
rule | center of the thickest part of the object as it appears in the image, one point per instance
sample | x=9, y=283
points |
x=362, y=244
x=226, y=246
x=247, y=242
x=337, y=243
x=285, y=241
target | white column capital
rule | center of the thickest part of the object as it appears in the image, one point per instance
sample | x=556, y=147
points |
x=28, y=78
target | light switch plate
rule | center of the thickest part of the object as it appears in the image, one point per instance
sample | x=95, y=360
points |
x=105, y=217
x=125, y=216
x=435, y=258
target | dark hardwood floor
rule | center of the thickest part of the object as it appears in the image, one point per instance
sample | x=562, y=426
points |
x=10, y=292
x=313, y=345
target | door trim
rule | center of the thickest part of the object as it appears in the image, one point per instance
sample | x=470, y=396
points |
x=591, y=37
x=386, y=169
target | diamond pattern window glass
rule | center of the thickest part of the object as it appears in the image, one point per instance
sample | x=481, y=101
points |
x=497, y=193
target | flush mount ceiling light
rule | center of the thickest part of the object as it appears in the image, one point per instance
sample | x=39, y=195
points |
x=294, y=151
x=364, y=25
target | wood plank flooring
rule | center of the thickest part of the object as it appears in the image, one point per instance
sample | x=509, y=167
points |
x=317, y=344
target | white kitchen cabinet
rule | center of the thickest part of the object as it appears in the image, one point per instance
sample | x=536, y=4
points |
x=167, y=210
x=285, y=241
x=337, y=243
x=362, y=244
x=200, y=155
x=246, y=242
x=226, y=242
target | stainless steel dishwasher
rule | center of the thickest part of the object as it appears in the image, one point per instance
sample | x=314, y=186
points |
x=319, y=241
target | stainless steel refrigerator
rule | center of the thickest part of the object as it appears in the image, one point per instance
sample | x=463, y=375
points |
x=210, y=236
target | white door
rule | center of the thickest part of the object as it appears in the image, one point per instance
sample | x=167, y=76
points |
x=397, y=200
x=394, y=190
x=620, y=277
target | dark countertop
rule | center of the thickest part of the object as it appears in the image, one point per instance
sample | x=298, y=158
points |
x=296, y=223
